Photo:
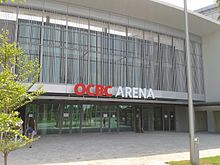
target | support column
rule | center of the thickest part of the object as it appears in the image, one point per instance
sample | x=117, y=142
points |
x=60, y=118
x=42, y=47
x=134, y=119
x=36, y=115
x=71, y=120
x=142, y=120
x=81, y=118
x=118, y=121
x=109, y=121
x=101, y=119
x=16, y=31
x=151, y=119
x=66, y=48
x=16, y=25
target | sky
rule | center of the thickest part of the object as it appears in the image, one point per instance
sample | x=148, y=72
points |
x=192, y=4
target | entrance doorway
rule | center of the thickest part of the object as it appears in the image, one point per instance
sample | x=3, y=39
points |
x=109, y=119
x=164, y=119
x=70, y=118
x=126, y=118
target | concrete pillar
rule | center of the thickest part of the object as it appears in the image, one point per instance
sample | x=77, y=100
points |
x=151, y=119
x=145, y=118
x=61, y=118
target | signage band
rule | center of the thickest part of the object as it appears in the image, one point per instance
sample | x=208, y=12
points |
x=109, y=91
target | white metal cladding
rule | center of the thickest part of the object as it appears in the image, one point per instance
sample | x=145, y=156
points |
x=82, y=11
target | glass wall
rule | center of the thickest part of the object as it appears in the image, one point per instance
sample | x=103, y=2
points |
x=73, y=49
x=90, y=118
x=48, y=118
x=81, y=118
x=126, y=117
x=84, y=118
x=109, y=118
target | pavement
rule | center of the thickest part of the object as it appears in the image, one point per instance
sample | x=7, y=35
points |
x=125, y=148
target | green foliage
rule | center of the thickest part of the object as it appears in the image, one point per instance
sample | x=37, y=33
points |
x=13, y=89
x=209, y=160
x=218, y=3
x=9, y=129
x=17, y=75
x=1, y=1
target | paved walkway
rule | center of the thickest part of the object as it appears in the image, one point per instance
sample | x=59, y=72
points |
x=113, y=148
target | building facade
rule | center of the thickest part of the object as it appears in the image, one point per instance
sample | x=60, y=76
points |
x=211, y=11
x=211, y=106
x=106, y=68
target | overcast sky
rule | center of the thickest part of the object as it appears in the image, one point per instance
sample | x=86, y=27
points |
x=192, y=4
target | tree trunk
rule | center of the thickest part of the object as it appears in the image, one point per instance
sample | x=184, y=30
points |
x=5, y=158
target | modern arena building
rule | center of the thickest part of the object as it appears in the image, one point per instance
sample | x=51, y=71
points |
x=211, y=11
x=117, y=65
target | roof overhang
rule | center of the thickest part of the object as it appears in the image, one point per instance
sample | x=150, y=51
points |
x=109, y=100
x=154, y=11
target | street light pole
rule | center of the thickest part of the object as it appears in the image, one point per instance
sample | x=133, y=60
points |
x=194, y=156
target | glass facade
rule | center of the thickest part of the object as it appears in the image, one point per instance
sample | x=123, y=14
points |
x=53, y=118
x=77, y=49
x=72, y=118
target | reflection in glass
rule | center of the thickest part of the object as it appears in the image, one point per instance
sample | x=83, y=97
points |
x=48, y=118
x=75, y=118
x=109, y=118
x=125, y=118
x=90, y=118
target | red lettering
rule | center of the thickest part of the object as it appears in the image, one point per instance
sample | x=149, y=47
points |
x=99, y=90
x=76, y=89
x=106, y=91
x=88, y=90
x=81, y=89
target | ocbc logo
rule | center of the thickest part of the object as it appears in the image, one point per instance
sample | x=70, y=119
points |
x=100, y=90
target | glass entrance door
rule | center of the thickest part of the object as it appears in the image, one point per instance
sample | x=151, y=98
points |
x=125, y=118
x=158, y=119
x=109, y=119
x=90, y=118
x=70, y=119
x=75, y=120
x=172, y=120
x=48, y=119
x=164, y=119
x=168, y=119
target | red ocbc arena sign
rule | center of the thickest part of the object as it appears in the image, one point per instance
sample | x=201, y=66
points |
x=109, y=91
x=92, y=90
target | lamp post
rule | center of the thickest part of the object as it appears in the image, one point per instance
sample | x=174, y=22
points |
x=194, y=156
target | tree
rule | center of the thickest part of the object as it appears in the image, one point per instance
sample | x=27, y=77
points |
x=18, y=74
x=218, y=3
x=1, y=1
